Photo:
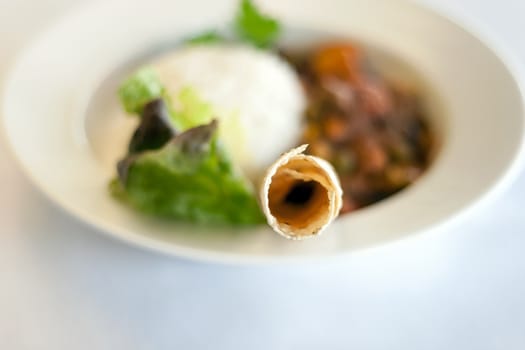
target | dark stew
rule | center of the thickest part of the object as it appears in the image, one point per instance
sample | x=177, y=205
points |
x=373, y=131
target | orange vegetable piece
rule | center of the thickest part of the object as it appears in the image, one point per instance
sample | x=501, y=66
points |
x=339, y=60
x=335, y=128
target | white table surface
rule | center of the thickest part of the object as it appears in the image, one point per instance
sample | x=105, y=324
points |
x=65, y=286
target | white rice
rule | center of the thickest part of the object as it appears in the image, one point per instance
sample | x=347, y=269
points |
x=255, y=86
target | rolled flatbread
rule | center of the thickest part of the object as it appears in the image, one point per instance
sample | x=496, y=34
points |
x=300, y=195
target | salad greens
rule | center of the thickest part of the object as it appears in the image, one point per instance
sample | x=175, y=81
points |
x=193, y=112
x=211, y=36
x=250, y=25
x=145, y=86
x=176, y=166
x=154, y=130
x=255, y=27
x=139, y=89
x=188, y=175
x=190, y=178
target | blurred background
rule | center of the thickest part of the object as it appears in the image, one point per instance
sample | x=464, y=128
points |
x=63, y=286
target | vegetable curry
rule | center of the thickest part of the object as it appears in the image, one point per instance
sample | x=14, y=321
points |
x=373, y=131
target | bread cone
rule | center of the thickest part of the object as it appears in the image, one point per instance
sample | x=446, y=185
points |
x=300, y=195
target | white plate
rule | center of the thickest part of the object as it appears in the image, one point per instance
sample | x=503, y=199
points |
x=58, y=97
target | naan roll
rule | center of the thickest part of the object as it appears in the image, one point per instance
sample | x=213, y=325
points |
x=300, y=195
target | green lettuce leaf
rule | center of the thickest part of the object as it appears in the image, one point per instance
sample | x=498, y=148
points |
x=191, y=178
x=209, y=37
x=192, y=111
x=145, y=86
x=255, y=27
x=139, y=89
x=186, y=176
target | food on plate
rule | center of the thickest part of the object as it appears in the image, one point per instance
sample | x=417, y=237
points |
x=255, y=95
x=176, y=167
x=300, y=195
x=225, y=119
x=373, y=131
